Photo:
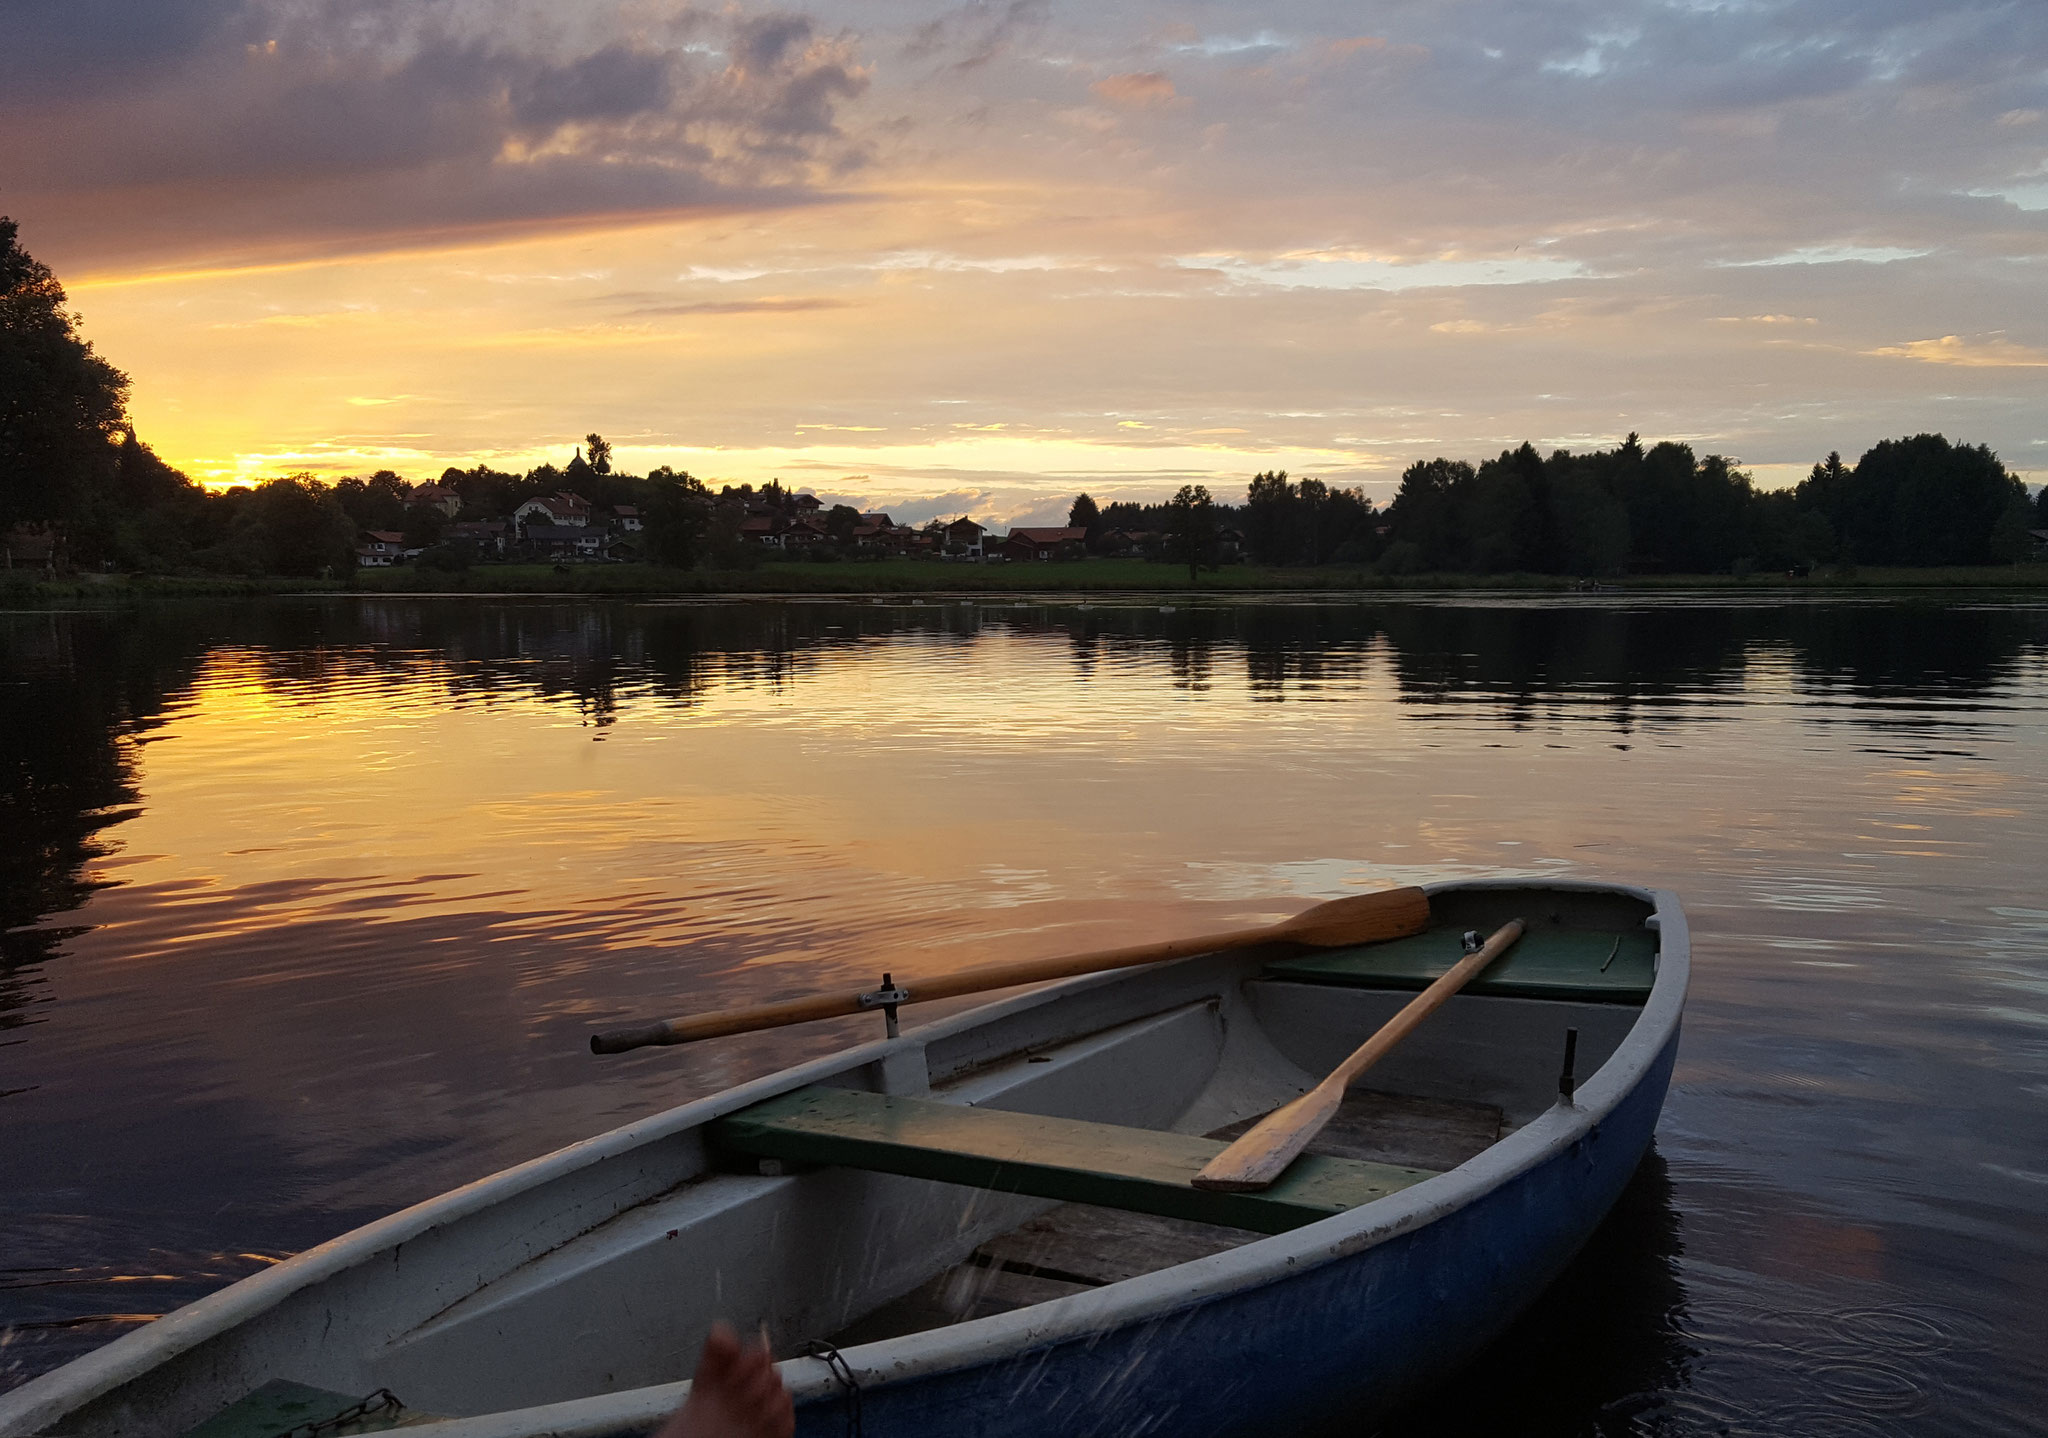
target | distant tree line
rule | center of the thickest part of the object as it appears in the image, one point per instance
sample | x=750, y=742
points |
x=1916, y=501
x=72, y=465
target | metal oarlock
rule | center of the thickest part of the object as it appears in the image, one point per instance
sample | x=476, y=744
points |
x=886, y=998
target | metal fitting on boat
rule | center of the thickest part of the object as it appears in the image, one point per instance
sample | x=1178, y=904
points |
x=886, y=998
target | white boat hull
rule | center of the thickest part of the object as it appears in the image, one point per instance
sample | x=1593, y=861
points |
x=568, y=1295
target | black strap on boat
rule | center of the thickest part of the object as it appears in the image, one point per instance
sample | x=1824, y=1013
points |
x=381, y=1404
x=1567, y=1082
x=841, y=1370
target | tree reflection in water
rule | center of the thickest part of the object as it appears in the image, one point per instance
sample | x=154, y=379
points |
x=1255, y=758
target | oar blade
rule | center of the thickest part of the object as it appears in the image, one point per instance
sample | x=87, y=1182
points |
x=1256, y=1159
x=1359, y=919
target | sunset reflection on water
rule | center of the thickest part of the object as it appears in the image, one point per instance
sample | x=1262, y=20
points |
x=311, y=906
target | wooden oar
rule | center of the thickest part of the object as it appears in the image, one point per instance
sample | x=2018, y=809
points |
x=1360, y=919
x=1262, y=1154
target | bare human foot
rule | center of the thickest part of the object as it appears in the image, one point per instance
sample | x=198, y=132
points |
x=736, y=1394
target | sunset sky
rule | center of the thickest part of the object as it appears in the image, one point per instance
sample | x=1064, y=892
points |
x=976, y=258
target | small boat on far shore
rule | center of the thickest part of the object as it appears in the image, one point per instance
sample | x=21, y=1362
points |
x=987, y=1224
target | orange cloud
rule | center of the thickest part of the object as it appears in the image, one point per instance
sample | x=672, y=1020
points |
x=1990, y=352
x=1137, y=90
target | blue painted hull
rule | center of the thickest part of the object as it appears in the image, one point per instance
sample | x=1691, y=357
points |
x=1346, y=1339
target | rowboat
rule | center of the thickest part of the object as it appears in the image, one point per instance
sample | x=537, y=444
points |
x=986, y=1224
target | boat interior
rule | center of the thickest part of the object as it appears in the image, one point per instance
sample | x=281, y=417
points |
x=972, y=1168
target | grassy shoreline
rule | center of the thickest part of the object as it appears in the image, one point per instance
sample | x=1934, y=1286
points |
x=1092, y=576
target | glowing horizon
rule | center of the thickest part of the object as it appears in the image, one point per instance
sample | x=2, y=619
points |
x=1000, y=255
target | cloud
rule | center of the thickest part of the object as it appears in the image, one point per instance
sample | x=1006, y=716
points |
x=767, y=306
x=1988, y=352
x=972, y=36
x=615, y=83
x=1000, y=508
x=351, y=128
x=54, y=45
x=1327, y=270
x=1136, y=91
x=1830, y=255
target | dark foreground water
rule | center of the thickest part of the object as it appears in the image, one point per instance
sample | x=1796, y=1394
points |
x=309, y=907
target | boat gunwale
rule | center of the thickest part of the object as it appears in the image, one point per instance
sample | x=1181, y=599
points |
x=933, y=1351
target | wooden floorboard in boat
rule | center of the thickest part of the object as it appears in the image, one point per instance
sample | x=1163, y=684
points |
x=971, y=1290
x=1076, y=1246
x=1077, y=1243
x=1399, y=1128
x=1100, y=1245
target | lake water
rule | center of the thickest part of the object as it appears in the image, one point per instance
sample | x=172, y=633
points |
x=309, y=907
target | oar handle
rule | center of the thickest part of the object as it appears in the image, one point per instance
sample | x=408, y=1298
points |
x=943, y=986
x=1359, y=919
x=1424, y=1003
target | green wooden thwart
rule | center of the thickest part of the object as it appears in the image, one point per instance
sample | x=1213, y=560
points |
x=1137, y=1169
x=1548, y=963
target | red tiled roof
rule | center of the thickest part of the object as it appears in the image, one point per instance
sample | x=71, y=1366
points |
x=1049, y=536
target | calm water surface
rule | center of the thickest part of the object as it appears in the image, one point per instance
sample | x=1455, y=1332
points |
x=308, y=908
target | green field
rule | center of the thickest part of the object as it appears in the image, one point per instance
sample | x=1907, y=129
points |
x=886, y=576
x=909, y=576
x=915, y=576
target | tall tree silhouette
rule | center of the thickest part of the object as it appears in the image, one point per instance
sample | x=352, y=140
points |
x=62, y=407
x=1191, y=528
x=1083, y=514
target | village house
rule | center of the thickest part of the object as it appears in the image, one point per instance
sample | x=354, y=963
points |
x=440, y=496
x=804, y=532
x=562, y=510
x=763, y=529
x=30, y=546
x=877, y=531
x=1062, y=543
x=628, y=518
x=963, y=536
x=485, y=536
x=565, y=541
x=27, y=546
x=1128, y=543
x=379, y=548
